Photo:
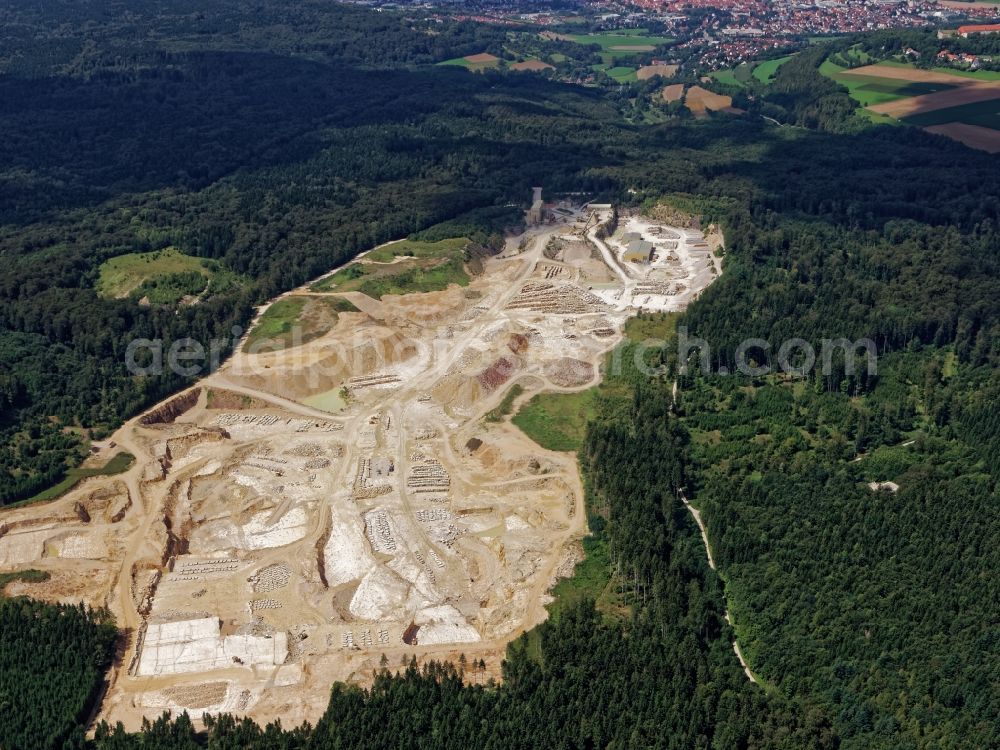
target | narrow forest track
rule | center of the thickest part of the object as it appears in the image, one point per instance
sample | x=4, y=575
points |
x=711, y=563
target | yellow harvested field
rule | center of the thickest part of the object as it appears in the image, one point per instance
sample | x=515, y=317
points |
x=977, y=91
x=974, y=136
x=700, y=101
x=531, y=65
x=673, y=92
x=648, y=71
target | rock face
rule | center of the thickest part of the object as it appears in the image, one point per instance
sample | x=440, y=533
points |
x=81, y=512
x=167, y=413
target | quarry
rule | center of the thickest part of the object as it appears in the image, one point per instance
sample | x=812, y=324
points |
x=309, y=514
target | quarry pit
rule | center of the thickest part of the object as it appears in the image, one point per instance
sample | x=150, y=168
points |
x=310, y=514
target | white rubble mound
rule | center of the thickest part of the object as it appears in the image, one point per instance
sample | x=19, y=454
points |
x=208, y=469
x=380, y=593
x=289, y=528
x=516, y=523
x=444, y=624
x=345, y=555
x=424, y=592
x=198, y=646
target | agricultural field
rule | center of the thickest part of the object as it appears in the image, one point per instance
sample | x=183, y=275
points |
x=974, y=136
x=738, y=76
x=673, y=92
x=987, y=5
x=649, y=71
x=162, y=277
x=701, y=101
x=742, y=74
x=975, y=75
x=984, y=114
x=621, y=43
x=765, y=71
x=871, y=89
x=297, y=320
x=620, y=73
x=481, y=61
x=956, y=104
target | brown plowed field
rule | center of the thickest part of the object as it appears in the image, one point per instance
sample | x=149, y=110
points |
x=700, y=100
x=673, y=92
x=967, y=6
x=481, y=58
x=966, y=91
x=910, y=74
x=978, y=91
x=974, y=136
x=531, y=65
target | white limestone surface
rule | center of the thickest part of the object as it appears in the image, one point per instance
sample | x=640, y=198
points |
x=198, y=646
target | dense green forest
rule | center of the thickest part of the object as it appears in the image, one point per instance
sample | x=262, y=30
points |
x=278, y=142
x=52, y=661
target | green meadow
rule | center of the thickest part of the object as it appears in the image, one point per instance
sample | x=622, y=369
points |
x=164, y=277
x=622, y=43
x=311, y=316
x=743, y=73
x=116, y=465
x=557, y=421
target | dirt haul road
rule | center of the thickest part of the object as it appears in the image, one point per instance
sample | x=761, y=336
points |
x=262, y=548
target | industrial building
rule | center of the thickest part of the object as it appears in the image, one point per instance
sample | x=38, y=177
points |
x=638, y=251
